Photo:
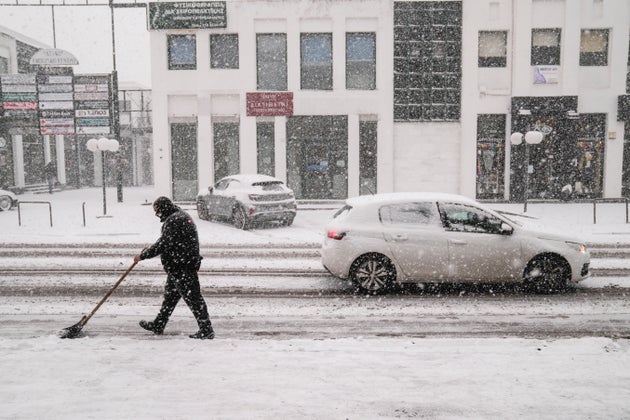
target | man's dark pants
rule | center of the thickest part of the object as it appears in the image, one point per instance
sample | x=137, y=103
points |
x=183, y=284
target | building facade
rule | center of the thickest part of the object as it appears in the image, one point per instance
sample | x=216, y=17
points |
x=349, y=97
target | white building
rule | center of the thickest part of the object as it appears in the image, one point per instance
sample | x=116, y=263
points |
x=346, y=97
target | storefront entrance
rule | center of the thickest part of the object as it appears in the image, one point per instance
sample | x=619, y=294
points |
x=317, y=156
x=184, y=161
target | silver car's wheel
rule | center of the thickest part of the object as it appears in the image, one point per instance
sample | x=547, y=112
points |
x=5, y=202
x=547, y=274
x=202, y=210
x=239, y=218
x=373, y=273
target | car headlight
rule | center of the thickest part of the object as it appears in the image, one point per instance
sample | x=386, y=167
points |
x=581, y=248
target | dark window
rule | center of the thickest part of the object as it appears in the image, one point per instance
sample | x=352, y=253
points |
x=361, y=61
x=182, y=52
x=224, y=51
x=490, y=155
x=463, y=218
x=271, y=59
x=367, y=157
x=226, y=149
x=408, y=214
x=427, y=60
x=492, y=49
x=594, y=47
x=266, y=148
x=545, y=47
x=316, y=61
x=4, y=65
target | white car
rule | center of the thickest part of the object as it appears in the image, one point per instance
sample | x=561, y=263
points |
x=7, y=200
x=247, y=199
x=381, y=240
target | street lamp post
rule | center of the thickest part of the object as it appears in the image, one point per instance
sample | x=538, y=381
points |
x=531, y=137
x=103, y=145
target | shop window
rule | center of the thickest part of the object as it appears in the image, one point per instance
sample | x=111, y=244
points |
x=367, y=157
x=361, y=61
x=316, y=61
x=271, y=60
x=265, y=148
x=594, y=47
x=226, y=149
x=545, y=47
x=427, y=60
x=490, y=156
x=182, y=52
x=4, y=65
x=625, y=172
x=492, y=49
x=224, y=51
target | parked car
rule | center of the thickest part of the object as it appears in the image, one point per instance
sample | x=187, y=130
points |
x=248, y=199
x=386, y=239
x=8, y=200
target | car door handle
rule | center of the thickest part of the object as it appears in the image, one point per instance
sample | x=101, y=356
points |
x=399, y=237
x=457, y=242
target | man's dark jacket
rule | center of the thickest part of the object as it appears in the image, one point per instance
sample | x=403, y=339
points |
x=178, y=246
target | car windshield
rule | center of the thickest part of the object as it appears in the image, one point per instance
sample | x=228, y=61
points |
x=269, y=185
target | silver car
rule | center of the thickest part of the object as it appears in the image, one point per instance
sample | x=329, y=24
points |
x=7, y=200
x=248, y=199
x=381, y=240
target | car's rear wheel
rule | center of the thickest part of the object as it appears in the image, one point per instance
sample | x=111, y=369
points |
x=373, y=273
x=5, y=202
x=239, y=218
x=202, y=210
x=547, y=274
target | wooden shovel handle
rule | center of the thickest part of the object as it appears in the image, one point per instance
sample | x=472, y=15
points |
x=87, y=318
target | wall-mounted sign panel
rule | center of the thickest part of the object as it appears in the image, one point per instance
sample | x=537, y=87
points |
x=56, y=105
x=546, y=75
x=187, y=15
x=92, y=113
x=53, y=57
x=93, y=130
x=269, y=104
x=57, y=130
x=19, y=105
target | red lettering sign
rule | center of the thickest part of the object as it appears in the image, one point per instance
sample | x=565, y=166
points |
x=269, y=104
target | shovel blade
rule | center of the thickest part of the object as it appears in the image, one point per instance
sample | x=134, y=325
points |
x=73, y=331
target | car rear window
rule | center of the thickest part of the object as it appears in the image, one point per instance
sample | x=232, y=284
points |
x=269, y=185
x=408, y=213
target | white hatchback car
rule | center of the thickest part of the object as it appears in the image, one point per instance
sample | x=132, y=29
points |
x=380, y=240
x=247, y=199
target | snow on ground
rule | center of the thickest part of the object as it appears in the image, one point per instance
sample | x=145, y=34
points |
x=173, y=377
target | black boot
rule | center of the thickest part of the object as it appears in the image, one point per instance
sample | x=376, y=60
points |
x=205, y=332
x=151, y=326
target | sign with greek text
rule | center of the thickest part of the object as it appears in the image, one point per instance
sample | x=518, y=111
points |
x=187, y=15
x=269, y=104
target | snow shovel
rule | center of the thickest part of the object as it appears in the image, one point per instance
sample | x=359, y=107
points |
x=75, y=330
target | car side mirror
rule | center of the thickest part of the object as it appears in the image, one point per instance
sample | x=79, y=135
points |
x=506, y=229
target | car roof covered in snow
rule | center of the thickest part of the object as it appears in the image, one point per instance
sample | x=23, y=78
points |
x=403, y=197
x=253, y=178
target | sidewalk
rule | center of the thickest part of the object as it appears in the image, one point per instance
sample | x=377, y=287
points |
x=133, y=222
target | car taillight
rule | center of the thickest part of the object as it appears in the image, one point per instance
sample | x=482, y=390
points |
x=252, y=210
x=335, y=234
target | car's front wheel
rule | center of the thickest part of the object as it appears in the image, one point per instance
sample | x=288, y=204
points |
x=373, y=273
x=202, y=210
x=239, y=218
x=5, y=202
x=547, y=274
